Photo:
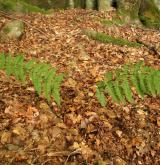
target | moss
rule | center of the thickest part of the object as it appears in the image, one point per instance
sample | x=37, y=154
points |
x=149, y=14
x=109, y=39
x=6, y=30
x=19, y=6
x=114, y=21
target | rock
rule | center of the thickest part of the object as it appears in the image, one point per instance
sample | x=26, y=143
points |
x=12, y=30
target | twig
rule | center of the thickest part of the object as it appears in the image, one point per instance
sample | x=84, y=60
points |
x=77, y=151
x=151, y=48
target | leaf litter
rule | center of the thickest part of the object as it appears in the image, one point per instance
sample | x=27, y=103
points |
x=33, y=131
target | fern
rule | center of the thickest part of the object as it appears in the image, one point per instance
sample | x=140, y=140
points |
x=156, y=81
x=127, y=90
x=48, y=84
x=119, y=91
x=19, y=68
x=30, y=64
x=43, y=76
x=118, y=83
x=99, y=93
x=56, y=88
x=2, y=60
x=110, y=89
x=9, y=65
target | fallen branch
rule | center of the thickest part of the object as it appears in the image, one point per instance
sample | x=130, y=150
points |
x=151, y=48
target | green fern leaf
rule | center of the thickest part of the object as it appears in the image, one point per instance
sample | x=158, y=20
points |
x=119, y=91
x=150, y=84
x=156, y=80
x=16, y=69
x=101, y=97
x=2, y=60
x=19, y=68
x=33, y=75
x=142, y=82
x=137, y=67
x=48, y=84
x=40, y=77
x=136, y=84
x=108, y=76
x=30, y=65
x=110, y=89
x=127, y=90
x=56, y=88
x=9, y=65
x=22, y=73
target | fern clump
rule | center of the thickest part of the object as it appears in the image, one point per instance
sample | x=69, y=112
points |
x=119, y=83
x=43, y=76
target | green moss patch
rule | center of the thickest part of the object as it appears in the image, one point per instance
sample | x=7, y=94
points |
x=149, y=14
x=19, y=6
x=114, y=21
x=102, y=37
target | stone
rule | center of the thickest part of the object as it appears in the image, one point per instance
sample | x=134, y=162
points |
x=12, y=30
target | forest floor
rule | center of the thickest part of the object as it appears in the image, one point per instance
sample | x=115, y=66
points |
x=81, y=132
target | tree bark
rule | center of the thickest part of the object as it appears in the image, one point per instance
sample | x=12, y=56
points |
x=71, y=4
x=129, y=9
x=144, y=11
x=90, y=4
x=104, y=5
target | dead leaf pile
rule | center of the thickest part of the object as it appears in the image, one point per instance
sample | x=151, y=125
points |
x=33, y=131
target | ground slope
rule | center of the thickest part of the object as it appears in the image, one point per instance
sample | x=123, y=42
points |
x=81, y=132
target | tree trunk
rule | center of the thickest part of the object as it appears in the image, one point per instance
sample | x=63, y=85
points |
x=129, y=9
x=150, y=14
x=104, y=5
x=145, y=11
x=71, y=4
x=90, y=4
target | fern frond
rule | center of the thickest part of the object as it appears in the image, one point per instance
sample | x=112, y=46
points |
x=110, y=89
x=146, y=80
x=119, y=91
x=150, y=84
x=108, y=76
x=48, y=84
x=142, y=82
x=30, y=64
x=22, y=74
x=43, y=76
x=101, y=97
x=36, y=79
x=9, y=65
x=19, y=68
x=56, y=88
x=40, y=77
x=156, y=80
x=127, y=90
x=2, y=60
x=136, y=84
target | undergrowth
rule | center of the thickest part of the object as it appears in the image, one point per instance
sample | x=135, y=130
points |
x=43, y=76
x=122, y=83
x=115, y=21
x=102, y=37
